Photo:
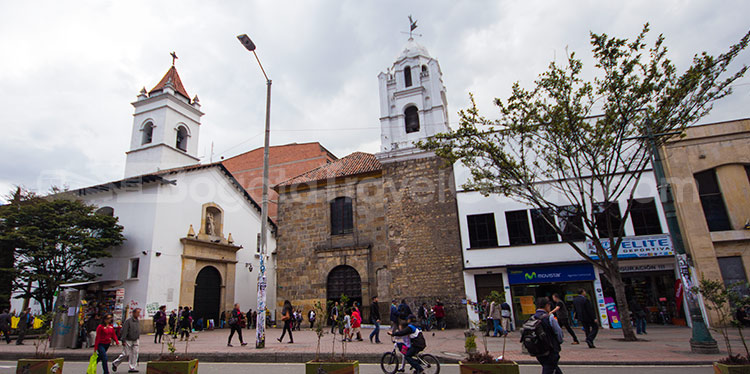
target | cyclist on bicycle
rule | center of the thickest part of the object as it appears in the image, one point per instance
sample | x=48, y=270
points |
x=417, y=341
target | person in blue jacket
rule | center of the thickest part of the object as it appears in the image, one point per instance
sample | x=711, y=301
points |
x=394, y=316
x=418, y=343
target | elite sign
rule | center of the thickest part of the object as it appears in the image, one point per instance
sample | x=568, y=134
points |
x=638, y=246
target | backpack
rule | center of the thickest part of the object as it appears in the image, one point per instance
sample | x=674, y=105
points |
x=535, y=338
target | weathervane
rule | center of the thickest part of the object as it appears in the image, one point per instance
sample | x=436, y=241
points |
x=412, y=26
x=174, y=57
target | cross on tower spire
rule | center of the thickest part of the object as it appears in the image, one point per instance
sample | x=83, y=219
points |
x=174, y=57
x=412, y=26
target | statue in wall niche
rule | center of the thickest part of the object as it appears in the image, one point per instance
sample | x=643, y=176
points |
x=210, y=224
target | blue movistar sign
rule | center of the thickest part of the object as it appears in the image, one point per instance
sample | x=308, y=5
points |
x=548, y=274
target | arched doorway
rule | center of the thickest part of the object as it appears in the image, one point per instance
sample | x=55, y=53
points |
x=207, y=301
x=344, y=280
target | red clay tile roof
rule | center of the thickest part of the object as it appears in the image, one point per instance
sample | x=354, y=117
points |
x=355, y=163
x=176, y=83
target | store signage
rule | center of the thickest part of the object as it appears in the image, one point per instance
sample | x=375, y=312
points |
x=646, y=267
x=548, y=274
x=638, y=246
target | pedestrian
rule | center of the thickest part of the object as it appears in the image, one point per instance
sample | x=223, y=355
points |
x=5, y=323
x=24, y=321
x=185, y=323
x=640, y=316
x=587, y=316
x=160, y=320
x=375, y=320
x=255, y=319
x=130, y=333
x=311, y=318
x=496, y=316
x=439, y=310
x=249, y=316
x=423, y=317
x=105, y=333
x=173, y=323
x=554, y=337
x=506, y=314
x=356, y=323
x=563, y=317
x=488, y=323
x=347, y=326
x=299, y=319
x=404, y=311
x=394, y=316
x=286, y=316
x=91, y=324
x=333, y=316
x=235, y=319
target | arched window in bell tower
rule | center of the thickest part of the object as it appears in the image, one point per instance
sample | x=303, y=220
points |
x=182, y=138
x=148, y=133
x=411, y=117
x=407, y=76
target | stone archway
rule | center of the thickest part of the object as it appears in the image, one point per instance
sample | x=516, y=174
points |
x=344, y=280
x=207, y=294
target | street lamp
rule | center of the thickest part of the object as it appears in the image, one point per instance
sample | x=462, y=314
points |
x=260, y=333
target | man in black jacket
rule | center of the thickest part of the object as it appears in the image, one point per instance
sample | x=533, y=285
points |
x=587, y=316
x=375, y=317
x=563, y=318
x=5, y=323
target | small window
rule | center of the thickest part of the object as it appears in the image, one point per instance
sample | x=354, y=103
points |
x=747, y=171
x=407, y=76
x=411, y=115
x=607, y=216
x=571, y=223
x=482, y=230
x=424, y=69
x=518, y=227
x=106, y=211
x=133, y=273
x=148, y=133
x=645, y=217
x=543, y=231
x=182, y=136
x=712, y=201
x=342, y=221
x=733, y=272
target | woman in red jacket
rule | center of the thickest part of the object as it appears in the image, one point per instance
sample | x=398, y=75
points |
x=356, y=322
x=105, y=333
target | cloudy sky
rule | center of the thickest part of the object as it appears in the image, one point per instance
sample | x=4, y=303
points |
x=69, y=70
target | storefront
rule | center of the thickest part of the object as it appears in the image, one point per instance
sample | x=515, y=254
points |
x=530, y=282
x=78, y=302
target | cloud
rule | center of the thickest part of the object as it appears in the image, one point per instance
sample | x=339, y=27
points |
x=71, y=71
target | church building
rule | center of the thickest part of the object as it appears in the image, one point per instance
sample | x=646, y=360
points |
x=379, y=225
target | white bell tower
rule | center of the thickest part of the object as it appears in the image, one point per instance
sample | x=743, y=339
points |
x=166, y=125
x=413, y=103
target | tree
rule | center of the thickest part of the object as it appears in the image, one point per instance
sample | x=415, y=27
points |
x=56, y=241
x=7, y=250
x=571, y=147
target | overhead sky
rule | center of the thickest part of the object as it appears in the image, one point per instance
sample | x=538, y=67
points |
x=70, y=69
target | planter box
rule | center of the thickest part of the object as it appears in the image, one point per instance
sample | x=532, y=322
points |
x=351, y=367
x=731, y=369
x=39, y=366
x=172, y=367
x=498, y=368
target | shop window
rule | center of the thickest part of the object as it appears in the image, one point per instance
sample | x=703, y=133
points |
x=342, y=220
x=645, y=217
x=712, y=201
x=733, y=272
x=407, y=76
x=411, y=117
x=518, y=227
x=543, y=231
x=571, y=223
x=133, y=268
x=482, y=230
x=607, y=216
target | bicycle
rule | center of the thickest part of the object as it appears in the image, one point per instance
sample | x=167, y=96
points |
x=391, y=361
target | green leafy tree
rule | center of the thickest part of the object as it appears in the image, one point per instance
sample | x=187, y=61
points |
x=7, y=250
x=572, y=148
x=56, y=241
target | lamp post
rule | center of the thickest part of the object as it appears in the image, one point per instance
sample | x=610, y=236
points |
x=260, y=332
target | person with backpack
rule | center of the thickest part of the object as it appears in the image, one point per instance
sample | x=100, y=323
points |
x=235, y=325
x=404, y=311
x=160, y=320
x=394, y=316
x=563, y=317
x=542, y=337
x=417, y=341
x=505, y=312
x=587, y=316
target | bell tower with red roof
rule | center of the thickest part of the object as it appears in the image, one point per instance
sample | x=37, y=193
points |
x=166, y=125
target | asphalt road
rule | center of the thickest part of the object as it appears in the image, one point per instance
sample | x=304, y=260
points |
x=243, y=368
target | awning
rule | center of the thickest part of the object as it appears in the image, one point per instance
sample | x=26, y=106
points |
x=93, y=284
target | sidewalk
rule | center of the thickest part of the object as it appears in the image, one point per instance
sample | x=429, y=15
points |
x=665, y=345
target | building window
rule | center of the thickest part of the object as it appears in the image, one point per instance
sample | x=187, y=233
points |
x=543, y=231
x=342, y=220
x=106, y=211
x=148, y=133
x=133, y=271
x=411, y=115
x=712, y=201
x=407, y=76
x=733, y=272
x=182, y=136
x=747, y=171
x=482, y=230
x=571, y=223
x=518, y=227
x=645, y=217
x=607, y=215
